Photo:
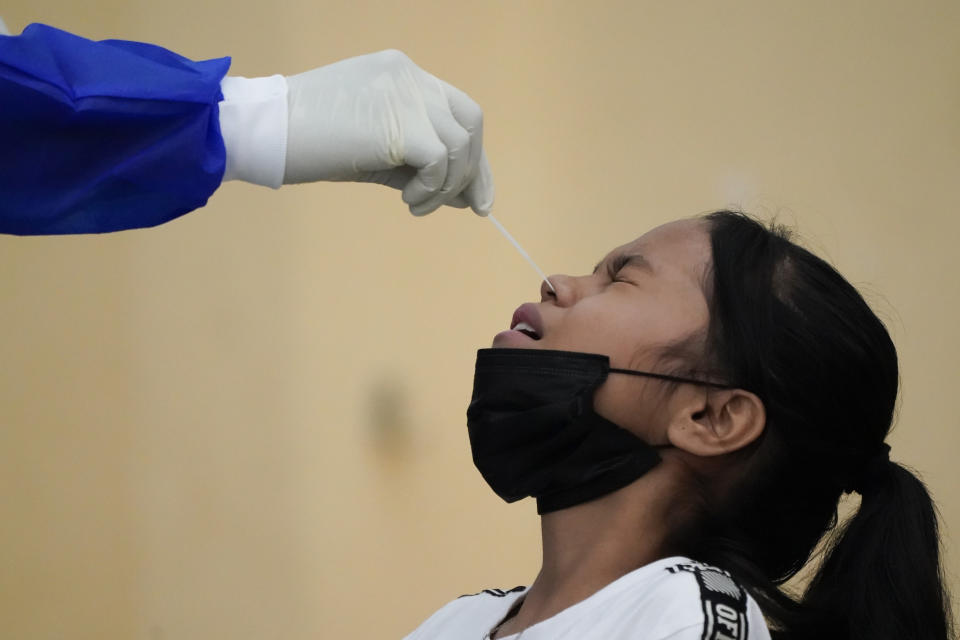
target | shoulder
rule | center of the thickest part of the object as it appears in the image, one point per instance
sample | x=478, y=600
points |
x=679, y=598
x=465, y=615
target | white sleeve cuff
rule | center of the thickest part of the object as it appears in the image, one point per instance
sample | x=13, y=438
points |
x=253, y=121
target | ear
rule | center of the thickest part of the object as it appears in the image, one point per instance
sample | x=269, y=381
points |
x=716, y=423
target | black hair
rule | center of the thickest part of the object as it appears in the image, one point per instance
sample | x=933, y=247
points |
x=788, y=327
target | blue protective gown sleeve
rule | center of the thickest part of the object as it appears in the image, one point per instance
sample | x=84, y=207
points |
x=104, y=136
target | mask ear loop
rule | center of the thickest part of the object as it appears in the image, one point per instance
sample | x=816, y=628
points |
x=668, y=378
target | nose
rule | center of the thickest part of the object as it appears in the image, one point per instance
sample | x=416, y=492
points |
x=561, y=292
x=569, y=289
x=546, y=293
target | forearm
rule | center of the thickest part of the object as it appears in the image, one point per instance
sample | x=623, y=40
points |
x=104, y=136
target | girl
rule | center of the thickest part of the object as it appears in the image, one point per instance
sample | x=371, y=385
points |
x=688, y=417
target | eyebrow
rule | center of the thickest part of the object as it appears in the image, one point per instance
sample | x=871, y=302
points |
x=623, y=260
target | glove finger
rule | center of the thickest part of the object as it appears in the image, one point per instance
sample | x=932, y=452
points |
x=479, y=193
x=470, y=116
x=424, y=151
x=457, y=141
x=398, y=178
x=457, y=202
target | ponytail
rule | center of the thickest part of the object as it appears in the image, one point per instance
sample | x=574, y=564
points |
x=881, y=578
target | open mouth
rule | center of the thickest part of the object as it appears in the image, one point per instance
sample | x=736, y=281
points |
x=527, y=320
x=526, y=330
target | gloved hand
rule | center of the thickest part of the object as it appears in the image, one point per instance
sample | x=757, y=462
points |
x=381, y=118
x=375, y=118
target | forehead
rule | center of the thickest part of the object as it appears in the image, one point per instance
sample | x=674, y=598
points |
x=682, y=245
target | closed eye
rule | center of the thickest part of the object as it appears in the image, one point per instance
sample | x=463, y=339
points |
x=615, y=266
x=618, y=263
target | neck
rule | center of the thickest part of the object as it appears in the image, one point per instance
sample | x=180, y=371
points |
x=588, y=546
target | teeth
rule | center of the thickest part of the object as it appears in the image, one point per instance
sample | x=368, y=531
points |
x=523, y=327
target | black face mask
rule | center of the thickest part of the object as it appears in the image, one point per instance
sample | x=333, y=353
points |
x=534, y=432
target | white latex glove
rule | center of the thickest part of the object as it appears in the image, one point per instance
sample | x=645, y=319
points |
x=375, y=118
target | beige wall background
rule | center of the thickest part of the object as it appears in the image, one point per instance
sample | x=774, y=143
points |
x=249, y=422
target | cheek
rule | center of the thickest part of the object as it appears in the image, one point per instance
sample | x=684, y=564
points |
x=596, y=327
x=666, y=322
x=632, y=404
x=653, y=332
x=631, y=336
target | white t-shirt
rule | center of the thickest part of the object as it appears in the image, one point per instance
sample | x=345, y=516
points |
x=671, y=599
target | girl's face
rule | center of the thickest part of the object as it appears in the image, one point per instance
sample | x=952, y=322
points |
x=643, y=297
